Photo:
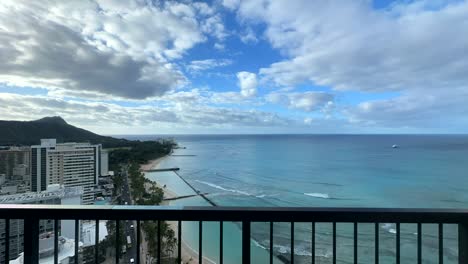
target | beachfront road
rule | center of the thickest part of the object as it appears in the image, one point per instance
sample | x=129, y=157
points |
x=129, y=225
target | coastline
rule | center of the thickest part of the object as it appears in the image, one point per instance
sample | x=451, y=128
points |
x=189, y=255
x=152, y=164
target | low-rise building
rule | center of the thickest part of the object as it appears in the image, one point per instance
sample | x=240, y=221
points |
x=54, y=195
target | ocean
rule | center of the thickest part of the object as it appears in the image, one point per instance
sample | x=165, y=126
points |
x=425, y=171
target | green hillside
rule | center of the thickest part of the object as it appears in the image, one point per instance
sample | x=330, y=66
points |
x=31, y=132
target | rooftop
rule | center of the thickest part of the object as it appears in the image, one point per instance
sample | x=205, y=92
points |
x=61, y=192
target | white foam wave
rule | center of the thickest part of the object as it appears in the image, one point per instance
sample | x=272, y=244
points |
x=267, y=195
x=318, y=195
x=298, y=251
x=258, y=245
x=389, y=228
x=222, y=188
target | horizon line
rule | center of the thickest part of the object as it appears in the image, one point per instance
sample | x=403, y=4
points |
x=293, y=134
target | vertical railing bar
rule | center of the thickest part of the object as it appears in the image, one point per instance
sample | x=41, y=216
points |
x=7, y=240
x=271, y=242
x=200, y=242
x=56, y=249
x=441, y=243
x=334, y=242
x=376, y=238
x=245, y=242
x=419, y=243
x=31, y=240
x=138, y=239
x=179, y=240
x=313, y=242
x=397, y=243
x=117, y=241
x=159, y=241
x=96, y=242
x=355, y=242
x=77, y=239
x=292, y=242
x=221, y=242
x=462, y=243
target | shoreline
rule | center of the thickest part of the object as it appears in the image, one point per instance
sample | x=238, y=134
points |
x=152, y=164
x=189, y=255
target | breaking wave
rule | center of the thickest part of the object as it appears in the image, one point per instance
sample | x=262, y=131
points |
x=319, y=195
x=222, y=188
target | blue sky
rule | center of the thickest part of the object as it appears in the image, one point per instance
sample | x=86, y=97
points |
x=234, y=66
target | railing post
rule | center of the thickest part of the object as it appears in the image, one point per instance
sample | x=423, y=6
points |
x=117, y=241
x=7, y=240
x=245, y=242
x=77, y=239
x=56, y=246
x=31, y=240
x=463, y=243
x=221, y=233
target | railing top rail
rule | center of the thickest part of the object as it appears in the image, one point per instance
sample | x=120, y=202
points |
x=255, y=214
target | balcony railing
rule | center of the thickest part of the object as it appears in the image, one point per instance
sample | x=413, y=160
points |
x=31, y=214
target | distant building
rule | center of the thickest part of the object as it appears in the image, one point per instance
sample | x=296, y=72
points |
x=15, y=170
x=12, y=158
x=54, y=195
x=70, y=164
x=21, y=171
x=104, y=162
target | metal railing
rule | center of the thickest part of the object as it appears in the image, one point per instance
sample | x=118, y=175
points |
x=246, y=215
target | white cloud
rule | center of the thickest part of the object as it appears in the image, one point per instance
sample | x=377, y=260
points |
x=203, y=65
x=247, y=82
x=308, y=120
x=306, y=101
x=24, y=107
x=348, y=45
x=106, y=47
x=231, y=4
x=228, y=98
x=133, y=52
x=234, y=98
x=248, y=36
x=416, y=48
x=219, y=46
x=439, y=110
x=180, y=110
x=214, y=26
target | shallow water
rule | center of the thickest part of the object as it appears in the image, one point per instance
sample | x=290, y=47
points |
x=329, y=170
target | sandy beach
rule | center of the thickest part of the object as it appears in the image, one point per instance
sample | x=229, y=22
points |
x=189, y=255
x=152, y=164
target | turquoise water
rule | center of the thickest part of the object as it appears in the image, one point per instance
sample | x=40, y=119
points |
x=103, y=202
x=329, y=171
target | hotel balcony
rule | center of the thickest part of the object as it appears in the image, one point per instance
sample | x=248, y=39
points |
x=247, y=218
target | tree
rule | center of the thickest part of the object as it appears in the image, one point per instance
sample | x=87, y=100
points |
x=139, y=153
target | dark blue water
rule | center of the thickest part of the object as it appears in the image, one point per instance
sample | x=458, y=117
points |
x=426, y=171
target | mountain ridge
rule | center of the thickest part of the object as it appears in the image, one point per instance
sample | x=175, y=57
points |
x=31, y=132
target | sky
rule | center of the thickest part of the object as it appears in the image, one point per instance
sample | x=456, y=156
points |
x=235, y=66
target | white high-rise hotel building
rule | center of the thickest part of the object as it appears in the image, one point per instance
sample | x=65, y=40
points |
x=68, y=164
